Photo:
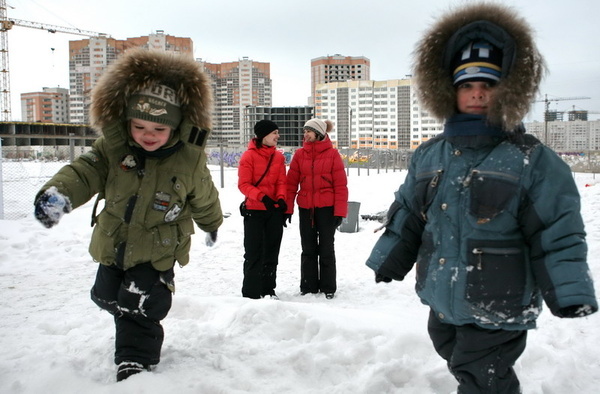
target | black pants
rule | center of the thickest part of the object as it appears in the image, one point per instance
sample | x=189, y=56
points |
x=262, y=239
x=138, y=299
x=481, y=360
x=317, y=262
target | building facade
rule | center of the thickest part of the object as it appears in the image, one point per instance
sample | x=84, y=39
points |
x=567, y=136
x=290, y=120
x=236, y=85
x=375, y=114
x=90, y=57
x=337, y=68
x=49, y=106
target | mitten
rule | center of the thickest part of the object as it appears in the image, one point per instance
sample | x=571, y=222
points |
x=51, y=206
x=287, y=217
x=575, y=311
x=282, y=205
x=269, y=203
x=338, y=221
x=381, y=278
x=211, y=238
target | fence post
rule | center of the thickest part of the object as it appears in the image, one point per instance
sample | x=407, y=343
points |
x=71, y=148
x=1, y=183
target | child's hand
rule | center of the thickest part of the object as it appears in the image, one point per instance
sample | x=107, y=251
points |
x=211, y=238
x=381, y=278
x=51, y=206
x=575, y=311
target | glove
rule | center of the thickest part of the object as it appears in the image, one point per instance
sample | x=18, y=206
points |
x=51, y=206
x=338, y=221
x=381, y=278
x=575, y=311
x=269, y=203
x=211, y=238
x=282, y=205
x=287, y=217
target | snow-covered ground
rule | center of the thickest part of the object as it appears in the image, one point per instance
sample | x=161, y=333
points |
x=371, y=338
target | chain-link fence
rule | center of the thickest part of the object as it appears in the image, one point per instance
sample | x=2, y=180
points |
x=23, y=170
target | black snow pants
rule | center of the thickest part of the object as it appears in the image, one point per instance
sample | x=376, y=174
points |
x=317, y=262
x=139, y=299
x=263, y=231
x=481, y=360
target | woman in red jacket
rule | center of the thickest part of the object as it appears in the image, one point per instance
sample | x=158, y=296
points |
x=322, y=201
x=261, y=178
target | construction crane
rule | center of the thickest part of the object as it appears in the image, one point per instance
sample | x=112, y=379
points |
x=547, y=102
x=7, y=24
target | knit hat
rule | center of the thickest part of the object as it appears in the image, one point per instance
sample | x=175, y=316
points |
x=477, y=61
x=319, y=127
x=264, y=127
x=157, y=103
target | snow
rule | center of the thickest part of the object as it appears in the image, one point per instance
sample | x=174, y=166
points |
x=371, y=338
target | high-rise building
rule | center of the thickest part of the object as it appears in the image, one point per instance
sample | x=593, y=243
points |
x=236, y=85
x=337, y=68
x=90, y=57
x=49, y=106
x=290, y=120
x=375, y=114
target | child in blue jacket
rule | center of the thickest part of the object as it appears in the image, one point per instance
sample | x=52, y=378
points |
x=490, y=215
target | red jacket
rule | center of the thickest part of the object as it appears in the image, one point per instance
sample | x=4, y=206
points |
x=319, y=170
x=252, y=166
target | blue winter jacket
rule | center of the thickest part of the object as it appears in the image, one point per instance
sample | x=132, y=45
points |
x=494, y=226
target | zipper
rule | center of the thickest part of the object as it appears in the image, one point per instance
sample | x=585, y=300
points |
x=479, y=252
x=473, y=173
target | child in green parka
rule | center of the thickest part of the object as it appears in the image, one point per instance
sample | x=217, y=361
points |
x=149, y=166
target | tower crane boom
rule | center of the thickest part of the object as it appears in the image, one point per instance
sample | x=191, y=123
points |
x=7, y=24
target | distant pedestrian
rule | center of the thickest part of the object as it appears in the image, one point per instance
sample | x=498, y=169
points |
x=318, y=170
x=148, y=105
x=261, y=178
x=490, y=216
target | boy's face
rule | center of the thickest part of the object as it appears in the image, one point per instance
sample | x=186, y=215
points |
x=271, y=138
x=150, y=135
x=474, y=97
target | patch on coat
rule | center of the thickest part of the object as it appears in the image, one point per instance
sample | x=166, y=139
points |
x=172, y=213
x=161, y=201
x=128, y=163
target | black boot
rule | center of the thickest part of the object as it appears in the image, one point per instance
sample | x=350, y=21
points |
x=128, y=368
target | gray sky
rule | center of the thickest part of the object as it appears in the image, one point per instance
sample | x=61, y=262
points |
x=289, y=34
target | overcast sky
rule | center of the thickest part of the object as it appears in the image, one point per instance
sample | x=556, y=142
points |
x=288, y=34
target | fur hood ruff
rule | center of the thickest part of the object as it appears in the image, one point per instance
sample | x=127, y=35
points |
x=519, y=84
x=138, y=69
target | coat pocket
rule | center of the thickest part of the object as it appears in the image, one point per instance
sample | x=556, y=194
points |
x=426, y=188
x=496, y=276
x=491, y=193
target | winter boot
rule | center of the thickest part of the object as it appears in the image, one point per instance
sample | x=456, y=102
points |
x=128, y=368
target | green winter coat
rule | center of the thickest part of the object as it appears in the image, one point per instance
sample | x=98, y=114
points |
x=151, y=198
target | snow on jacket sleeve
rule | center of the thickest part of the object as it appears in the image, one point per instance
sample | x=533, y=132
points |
x=395, y=252
x=553, y=227
x=83, y=178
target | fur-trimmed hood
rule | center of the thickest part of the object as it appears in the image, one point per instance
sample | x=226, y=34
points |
x=522, y=70
x=138, y=69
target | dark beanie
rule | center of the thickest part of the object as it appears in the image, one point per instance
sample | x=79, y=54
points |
x=477, y=61
x=264, y=127
x=157, y=103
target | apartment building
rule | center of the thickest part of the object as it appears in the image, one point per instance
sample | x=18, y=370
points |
x=48, y=106
x=337, y=68
x=567, y=136
x=236, y=85
x=89, y=58
x=290, y=120
x=375, y=114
